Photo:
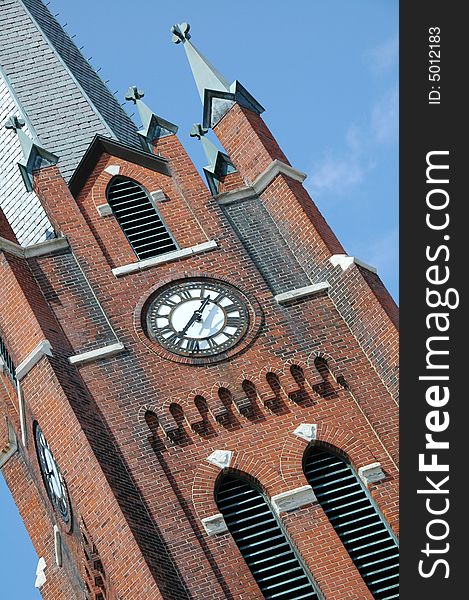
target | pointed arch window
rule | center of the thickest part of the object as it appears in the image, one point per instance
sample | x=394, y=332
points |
x=356, y=519
x=262, y=541
x=139, y=219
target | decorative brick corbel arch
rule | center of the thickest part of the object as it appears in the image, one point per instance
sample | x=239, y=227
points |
x=335, y=367
x=247, y=464
x=343, y=442
x=162, y=413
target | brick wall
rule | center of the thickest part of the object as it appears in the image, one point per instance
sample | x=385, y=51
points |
x=132, y=432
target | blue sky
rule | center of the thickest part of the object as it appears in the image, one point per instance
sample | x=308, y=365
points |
x=326, y=73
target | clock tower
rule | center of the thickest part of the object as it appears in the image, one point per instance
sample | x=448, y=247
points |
x=198, y=386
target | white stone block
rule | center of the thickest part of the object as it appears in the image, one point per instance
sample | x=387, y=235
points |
x=371, y=473
x=40, y=574
x=104, y=210
x=220, y=458
x=306, y=431
x=293, y=499
x=113, y=169
x=214, y=525
x=158, y=196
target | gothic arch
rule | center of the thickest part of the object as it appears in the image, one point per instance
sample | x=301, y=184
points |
x=344, y=442
x=244, y=463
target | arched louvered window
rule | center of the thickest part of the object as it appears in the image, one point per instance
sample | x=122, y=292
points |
x=139, y=219
x=7, y=362
x=356, y=520
x=264, y=545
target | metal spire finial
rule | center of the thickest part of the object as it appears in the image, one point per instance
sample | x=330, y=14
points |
x=198, y=131
x=134, y=94
x=14, y=123
x=180, y=32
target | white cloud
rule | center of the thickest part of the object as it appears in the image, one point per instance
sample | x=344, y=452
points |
x=384, y=56
x=337, y=173
x=384, y=118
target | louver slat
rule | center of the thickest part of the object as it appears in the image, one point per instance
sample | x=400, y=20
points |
x=263, y=544
x=356, y=521
x=139, y=219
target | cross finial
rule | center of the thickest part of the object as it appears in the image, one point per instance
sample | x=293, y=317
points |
x=180, y=32
x=134, y=94
x=198, y=131
x=14, y=123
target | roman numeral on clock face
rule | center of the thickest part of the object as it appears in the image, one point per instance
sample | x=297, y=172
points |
x=193, y=346
x=233, y=321
x=174, y=340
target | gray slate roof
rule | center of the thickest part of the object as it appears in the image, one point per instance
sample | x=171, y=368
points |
x=22, y=209
x=64, y=99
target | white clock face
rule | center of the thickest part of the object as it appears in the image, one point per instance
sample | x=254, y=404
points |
x=198, y=318
x=52, y=476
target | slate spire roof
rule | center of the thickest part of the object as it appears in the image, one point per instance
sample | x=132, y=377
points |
x=46, y=82
x=64, y=99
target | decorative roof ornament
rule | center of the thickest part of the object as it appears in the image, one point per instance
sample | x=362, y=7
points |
x=219, y=163
x=35, y=157
x=216, y=93
x=154, y=127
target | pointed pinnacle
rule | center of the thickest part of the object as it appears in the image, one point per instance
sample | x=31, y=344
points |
x=180, y=32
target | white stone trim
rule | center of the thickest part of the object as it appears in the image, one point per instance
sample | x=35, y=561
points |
x=113, y=169
x=303, y=292
x=214, y=525
x=104, y=352
x=141, y=265
x=11, y=447
x=275, y=168
x=365, y=265
x=261, y=182
x=40, y=249
x=158, y=196
x=22, y=414
x=104, y=210
x=43, y=248
x=245, y=193
x=371, y=473
x=11, y=247
x=57, y=546
x=306, y=431
x=293, y=499
x=40, y=574
x=347, y=261
x=44, y=348
x=220, y=458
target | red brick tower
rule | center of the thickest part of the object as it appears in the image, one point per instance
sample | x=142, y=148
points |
x=198, y=388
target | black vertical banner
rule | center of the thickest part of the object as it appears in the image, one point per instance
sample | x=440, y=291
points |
x=434, y=271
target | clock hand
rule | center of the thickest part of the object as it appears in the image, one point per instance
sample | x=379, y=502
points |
x=196, y=316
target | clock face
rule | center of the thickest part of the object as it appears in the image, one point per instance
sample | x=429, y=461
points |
x=52, y=476
x=198, y=318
